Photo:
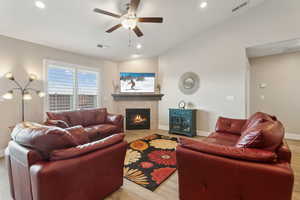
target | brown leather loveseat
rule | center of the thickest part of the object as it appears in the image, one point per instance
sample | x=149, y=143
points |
x=97, y=122
x=243, y=159
x=51, y=163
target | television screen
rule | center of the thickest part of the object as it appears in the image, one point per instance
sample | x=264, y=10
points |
x=137, y=82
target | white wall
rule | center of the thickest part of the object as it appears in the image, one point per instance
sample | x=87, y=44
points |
x=23, y=58
x=218, y=56
x=281, y=95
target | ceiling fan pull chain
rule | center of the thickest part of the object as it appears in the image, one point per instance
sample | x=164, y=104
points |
x=130, y=39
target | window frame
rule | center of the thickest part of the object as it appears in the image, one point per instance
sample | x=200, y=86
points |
x=76, y=68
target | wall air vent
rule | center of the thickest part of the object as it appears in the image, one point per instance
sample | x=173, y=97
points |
x=240, y=6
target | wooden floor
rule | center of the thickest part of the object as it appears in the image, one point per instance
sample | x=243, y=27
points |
x=169, y=189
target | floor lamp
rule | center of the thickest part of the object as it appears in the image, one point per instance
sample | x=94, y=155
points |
x=25, y=91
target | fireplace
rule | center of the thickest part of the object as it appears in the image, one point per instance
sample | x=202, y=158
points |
x=137, y=119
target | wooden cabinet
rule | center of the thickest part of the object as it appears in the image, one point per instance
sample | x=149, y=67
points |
x=183, y=122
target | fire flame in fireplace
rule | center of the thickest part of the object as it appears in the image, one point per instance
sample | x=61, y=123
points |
x=139, y=119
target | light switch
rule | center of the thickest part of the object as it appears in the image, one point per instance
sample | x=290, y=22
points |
x=262, y=85
x=262, y=97
x=230, y=98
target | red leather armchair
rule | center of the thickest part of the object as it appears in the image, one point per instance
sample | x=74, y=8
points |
x=49, y=163
x=98, y=123
x=242, y=160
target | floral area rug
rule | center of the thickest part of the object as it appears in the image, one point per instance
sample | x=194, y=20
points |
x=151, y=160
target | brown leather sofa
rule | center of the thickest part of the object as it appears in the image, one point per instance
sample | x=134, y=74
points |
x=97, y=122
x=50, y=163
x=242, y=160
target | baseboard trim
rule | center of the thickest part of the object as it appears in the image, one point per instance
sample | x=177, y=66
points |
x=1, y=153
x=163, y=127
x=289, y=136
x=202, y=133
x=199, y=132
x=292, y=136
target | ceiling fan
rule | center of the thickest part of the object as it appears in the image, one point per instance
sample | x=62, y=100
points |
x=129, y=20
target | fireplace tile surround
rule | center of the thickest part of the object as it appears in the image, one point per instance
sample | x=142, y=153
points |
x=121, y=107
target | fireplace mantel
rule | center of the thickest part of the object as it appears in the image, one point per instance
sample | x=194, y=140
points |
x=137, y=97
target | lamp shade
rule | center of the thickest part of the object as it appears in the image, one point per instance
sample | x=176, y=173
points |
x=41, y=94
x=8, y=95
x=27, y=96
x=9, y=76
x=32, y=77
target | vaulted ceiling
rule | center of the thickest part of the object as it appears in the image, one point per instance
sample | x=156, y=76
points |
x=73, y=26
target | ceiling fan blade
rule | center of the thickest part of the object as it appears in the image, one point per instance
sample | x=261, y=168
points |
x=134, y=5
x=151, y=19
x=97, y=10
x=114, y=28
x=138, y=31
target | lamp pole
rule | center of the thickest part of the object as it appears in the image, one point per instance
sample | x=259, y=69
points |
x=24, y=91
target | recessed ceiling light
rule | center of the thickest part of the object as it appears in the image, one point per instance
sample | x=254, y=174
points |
x=203, y=4
x=40, y=4
x=139, y=46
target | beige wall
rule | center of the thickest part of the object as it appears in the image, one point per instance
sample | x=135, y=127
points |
x=149, y=65
x=141, y=65
x=218, y=56
x=280, y=97
x=23, y=58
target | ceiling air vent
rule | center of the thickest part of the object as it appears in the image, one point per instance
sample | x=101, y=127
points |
x=102, y=46
x=240, y=6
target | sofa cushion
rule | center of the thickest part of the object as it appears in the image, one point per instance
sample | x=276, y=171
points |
x=59, y=116
x=86, y=117
x=86, y=148
x=222, y=138
x=93, y=116
x=95, y=131
x=252, y=138
x=79, y=134
x=75, y=117
x=267, y=135
x=101, y=114
x=257, y=118
x=248, y=154
x=230, y=125
x=58, y=123
x=42, y=138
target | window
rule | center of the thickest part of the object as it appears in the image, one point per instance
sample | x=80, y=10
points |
x=70, y=87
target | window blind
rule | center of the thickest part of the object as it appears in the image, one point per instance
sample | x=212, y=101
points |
x=71, y=88
x=60, y=88
x=87, y=82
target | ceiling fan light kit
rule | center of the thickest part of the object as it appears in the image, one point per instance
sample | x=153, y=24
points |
x=130, y=20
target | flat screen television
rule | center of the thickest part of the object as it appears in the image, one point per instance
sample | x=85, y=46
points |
x=137, y=82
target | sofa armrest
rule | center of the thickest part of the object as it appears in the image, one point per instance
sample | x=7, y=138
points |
x=284, y=153
x=116, y=119
x=248, y=154
x=198, y=172
x=87, y=173
x=63, y=154
x=228, y=125
x=113, y=118
x=57, y=123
